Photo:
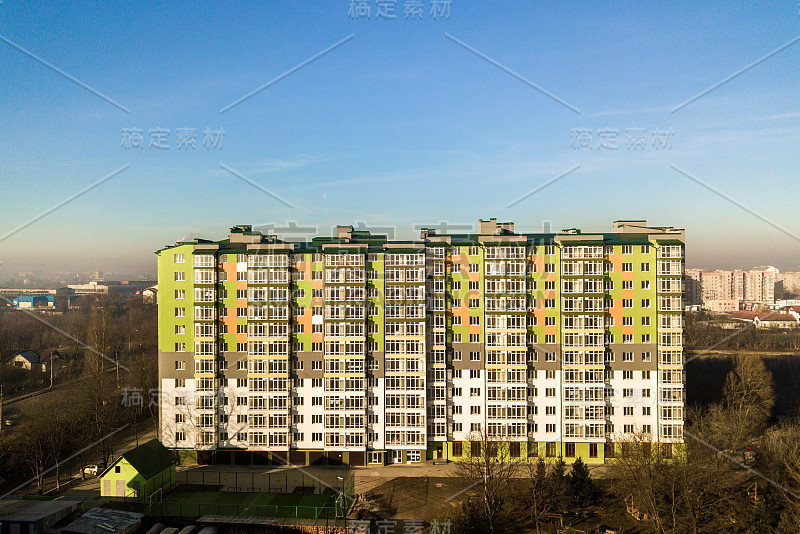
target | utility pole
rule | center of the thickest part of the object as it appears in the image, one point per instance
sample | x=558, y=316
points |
x=1, y=408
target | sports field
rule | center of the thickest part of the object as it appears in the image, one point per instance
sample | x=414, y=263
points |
x=200, y=503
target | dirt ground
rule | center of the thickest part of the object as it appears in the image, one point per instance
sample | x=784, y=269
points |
x=416, y=497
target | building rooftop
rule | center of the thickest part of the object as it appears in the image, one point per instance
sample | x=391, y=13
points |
x=243, y=238
x=149, y=459
x=106, y=521
x=30, y=510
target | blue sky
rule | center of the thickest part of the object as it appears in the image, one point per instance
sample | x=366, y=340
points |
x=398, y=126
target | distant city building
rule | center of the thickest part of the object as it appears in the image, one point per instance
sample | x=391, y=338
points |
x=693, y=295
x=787, y=282
x=722, y=305
x=356, y=349
x=150, y=295
x=93, y=287
x=756, y=286
x=768, y=319
x=26, y=302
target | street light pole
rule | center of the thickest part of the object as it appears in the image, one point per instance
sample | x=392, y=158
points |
x=344, y=503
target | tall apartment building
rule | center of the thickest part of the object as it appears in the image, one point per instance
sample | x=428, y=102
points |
x=693, y=289
x=354, y=349
x=756, y=285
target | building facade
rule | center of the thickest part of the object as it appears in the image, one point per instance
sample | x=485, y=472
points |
x=359, y=350
x=755, y=286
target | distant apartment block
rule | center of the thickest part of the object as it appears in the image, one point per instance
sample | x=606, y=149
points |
x=716, y=290
x=360, y=350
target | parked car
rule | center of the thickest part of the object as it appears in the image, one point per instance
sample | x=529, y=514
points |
x=93, y=470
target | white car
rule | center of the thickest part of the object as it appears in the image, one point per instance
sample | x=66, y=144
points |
x=93, y=470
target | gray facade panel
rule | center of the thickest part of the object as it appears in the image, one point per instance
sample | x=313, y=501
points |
x=637, y=349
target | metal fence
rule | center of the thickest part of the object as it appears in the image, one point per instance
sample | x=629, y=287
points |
x=284, y=481
x=194, y=509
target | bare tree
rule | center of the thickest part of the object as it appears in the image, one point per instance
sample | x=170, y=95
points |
x=749, y=397
x=697, y=492
x=490, y=467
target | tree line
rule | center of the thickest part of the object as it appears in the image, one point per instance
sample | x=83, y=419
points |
x=87, y=409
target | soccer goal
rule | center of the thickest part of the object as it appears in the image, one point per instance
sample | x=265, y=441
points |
x=153, y=497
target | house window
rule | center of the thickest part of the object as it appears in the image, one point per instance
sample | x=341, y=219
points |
x=550, y=449
x=117, y=469
x=457, y=448
x=569, y=450
x=593, y=450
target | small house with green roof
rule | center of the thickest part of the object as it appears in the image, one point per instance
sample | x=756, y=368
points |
x=139, y=472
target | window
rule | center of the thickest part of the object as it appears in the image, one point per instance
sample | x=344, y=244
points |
x=473, y=251
x=550, y=447
x=473, y=267
x=549, y=267
x=180, y=276
x=180, y=312
x=474, y=320
x=474, y=303
x=474, y=338
x=645, y=284
x=645, y=303
x=627, y=284
x=627, y=303
x=627, y=321
x=180, y=418
x=647, y=357
x=646, y=321
x=180, y=365
x=627, y=249
x=593, y=450
x=645, y=267
x=180, y=436
x=474, y=356
x=627, y=267
x=458, y=448
x=569, y=450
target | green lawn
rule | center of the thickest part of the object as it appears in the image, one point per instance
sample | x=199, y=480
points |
x=199, y=503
